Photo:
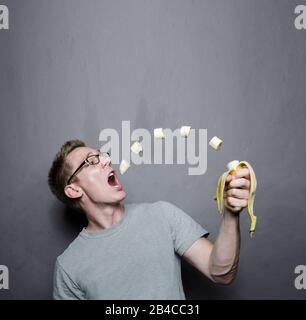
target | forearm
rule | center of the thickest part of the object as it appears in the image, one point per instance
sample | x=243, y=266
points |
x=223, y=262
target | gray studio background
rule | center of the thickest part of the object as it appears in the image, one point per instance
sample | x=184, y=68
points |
x=237, y=68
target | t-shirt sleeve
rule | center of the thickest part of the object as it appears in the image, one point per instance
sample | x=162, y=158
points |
x=64, y=288
x=184, y=229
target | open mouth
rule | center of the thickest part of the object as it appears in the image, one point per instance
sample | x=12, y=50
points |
x=112, y=180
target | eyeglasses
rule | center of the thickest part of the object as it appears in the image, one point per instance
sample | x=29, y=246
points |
x=90, y=160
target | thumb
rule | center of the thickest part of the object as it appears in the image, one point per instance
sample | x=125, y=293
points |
x=229, y=178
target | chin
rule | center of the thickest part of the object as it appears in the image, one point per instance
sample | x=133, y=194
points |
x=123, y=195
x=120, y=196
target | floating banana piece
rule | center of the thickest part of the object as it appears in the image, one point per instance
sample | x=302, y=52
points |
x=185, y=130
x=136, y=147
x=216, y=143
x=219, y=196
x=124, y=165
x=159, y=133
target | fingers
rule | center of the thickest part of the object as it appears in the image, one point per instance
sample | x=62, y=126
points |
x=234, y=202
x=237, y=190
x=238, y=193
x=242, y=173
x=236, y=199
x=233, y=209
x=229, y=178
x=239, y=183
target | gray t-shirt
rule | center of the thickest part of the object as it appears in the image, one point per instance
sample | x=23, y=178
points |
x=136, y=258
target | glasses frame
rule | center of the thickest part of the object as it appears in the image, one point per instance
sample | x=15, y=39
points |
x=99, y=154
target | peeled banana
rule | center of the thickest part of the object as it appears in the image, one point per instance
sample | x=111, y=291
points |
x=219, y=196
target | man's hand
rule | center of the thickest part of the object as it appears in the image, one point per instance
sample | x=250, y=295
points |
x=219, y=261
x=237, y=190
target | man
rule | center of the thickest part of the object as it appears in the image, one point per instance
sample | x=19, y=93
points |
x=133, y=251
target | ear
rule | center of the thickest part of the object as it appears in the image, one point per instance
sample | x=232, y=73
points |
x=73, y=191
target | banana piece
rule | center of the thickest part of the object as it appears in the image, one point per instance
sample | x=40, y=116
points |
x=185, y=130
x=219, y=196
x=216, y=143
x=159, y=133
x=232, y=165
x=136, y=147
x=124, y=165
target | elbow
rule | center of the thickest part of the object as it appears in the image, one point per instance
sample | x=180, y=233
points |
x=225, y=278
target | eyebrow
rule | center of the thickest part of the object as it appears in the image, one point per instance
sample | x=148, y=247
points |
x=89, y=153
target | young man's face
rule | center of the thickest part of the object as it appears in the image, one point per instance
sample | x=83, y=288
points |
x=94, y=180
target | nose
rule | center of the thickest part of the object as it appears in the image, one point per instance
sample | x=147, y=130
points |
x=106, y=161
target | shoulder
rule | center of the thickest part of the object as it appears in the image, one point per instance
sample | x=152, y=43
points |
x=71, y=254
x=167, y=208
x=159, y=211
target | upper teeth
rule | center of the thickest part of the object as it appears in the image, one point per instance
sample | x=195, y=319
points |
x=111, y=174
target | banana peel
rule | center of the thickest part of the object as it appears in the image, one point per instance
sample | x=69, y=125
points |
x=219, y=196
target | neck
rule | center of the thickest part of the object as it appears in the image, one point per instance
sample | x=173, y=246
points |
x=103, y=216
